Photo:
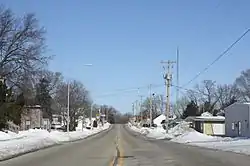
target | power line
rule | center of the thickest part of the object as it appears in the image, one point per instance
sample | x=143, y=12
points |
x=117, y=92
x=218, y=58
x=190, y=90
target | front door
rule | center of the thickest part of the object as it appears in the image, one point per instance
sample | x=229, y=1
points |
x=239, y=128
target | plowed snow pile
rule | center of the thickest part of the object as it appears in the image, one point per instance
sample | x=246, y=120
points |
x=181, y=133
x=12, y=144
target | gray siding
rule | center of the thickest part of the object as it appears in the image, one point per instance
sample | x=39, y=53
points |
x=237, y=113
x=34, y=116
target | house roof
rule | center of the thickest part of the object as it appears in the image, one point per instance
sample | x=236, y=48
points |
x=210, y=118
x=206, y=118
x=237, y=103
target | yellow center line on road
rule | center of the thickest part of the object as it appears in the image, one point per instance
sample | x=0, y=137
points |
x=121, y=157
x=112, y=161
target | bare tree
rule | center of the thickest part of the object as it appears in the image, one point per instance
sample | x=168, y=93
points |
x=227, y=95
x=22, y=45
x=55, y=79
x=182, y=104
x=205, y=95
x=79, y=100
x=194, y=96
x=243, y=84
x=157, y=106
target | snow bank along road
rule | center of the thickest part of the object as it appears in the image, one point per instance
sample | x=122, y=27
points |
x=132, y=150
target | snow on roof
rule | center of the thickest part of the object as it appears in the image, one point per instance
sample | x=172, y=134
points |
x=211, y=117
x=159, y=119
x=162, y=117
x=206, y=114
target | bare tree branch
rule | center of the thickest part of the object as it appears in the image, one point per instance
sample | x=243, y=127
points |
x=22, y=45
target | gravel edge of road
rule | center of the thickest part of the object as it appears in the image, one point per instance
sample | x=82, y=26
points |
x=57, y=144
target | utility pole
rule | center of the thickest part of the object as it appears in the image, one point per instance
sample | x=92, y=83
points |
x=150, y=99
x=168, y=79
x=141, y=96
x=136, y=110
x=133, y=109
x=91, y=114
x=107, y=114
x=68, y=109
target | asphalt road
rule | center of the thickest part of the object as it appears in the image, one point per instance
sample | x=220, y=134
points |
x=133, y=150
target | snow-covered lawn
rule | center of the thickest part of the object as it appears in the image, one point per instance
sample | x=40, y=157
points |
x=183, y=134
x=12, y=144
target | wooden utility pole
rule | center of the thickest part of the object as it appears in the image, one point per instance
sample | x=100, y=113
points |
x=133, y=109
x=136, y=110
x=141, y=114
x=168, y=79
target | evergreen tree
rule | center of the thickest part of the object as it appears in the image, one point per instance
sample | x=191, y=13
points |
x=191, y=110
x=10, y=108
x=3, y=98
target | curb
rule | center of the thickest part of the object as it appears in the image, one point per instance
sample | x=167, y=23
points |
x=53, y=145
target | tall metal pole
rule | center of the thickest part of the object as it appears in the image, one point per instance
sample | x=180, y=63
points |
x=150, y=111
x=136, y=109
x=177, y=81
x=68, y=109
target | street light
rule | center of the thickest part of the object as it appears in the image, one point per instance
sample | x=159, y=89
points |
x=89, y=64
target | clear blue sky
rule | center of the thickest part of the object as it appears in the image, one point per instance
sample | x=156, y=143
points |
x=126, y=40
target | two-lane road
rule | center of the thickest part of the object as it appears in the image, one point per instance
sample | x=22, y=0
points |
x=100, y=150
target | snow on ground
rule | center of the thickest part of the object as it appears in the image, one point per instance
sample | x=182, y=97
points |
x=160, y=133
x=181, y=133
x=12, y=144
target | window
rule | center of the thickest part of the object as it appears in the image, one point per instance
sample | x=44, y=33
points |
x=233, y=126
x=27, y=125
x=239, y=128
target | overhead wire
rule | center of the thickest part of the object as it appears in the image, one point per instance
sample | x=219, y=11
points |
x=134, y=89
x=218, y=58
x=118, y=91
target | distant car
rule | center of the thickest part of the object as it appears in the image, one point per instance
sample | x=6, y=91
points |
x=37, y=128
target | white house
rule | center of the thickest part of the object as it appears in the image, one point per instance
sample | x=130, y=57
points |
x=208, y=124
x=237, y=120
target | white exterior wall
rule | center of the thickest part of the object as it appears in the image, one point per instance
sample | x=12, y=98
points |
x=218, y=129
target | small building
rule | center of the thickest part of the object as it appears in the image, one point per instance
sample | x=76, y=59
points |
x=237, y=120
x=208, y=124
x=32, y=117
